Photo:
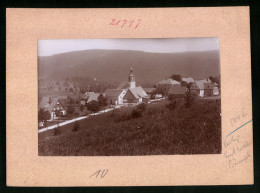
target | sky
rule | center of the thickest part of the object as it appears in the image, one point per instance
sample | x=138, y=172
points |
x=156, y=45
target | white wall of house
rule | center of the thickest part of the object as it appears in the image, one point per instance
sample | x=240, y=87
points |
x=120, y=100
x=201, y=93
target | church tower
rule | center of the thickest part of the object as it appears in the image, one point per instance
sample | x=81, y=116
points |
x=131, y=79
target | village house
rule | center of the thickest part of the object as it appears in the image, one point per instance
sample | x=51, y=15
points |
x=203, y=87
x=208, y=89
x=52, y=105
x=177, y=91
x=135, y=95
x=167, y=83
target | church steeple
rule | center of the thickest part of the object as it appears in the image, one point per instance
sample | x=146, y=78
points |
x=131, y=78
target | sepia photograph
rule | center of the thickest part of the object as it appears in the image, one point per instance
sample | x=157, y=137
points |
x=129, y=97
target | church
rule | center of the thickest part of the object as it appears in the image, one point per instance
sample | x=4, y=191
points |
x=127, y=92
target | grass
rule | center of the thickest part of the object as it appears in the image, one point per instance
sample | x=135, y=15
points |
x=194, y=130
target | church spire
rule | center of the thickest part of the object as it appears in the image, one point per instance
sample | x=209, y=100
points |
x=131, y=78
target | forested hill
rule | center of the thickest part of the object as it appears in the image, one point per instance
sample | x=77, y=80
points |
x=114, y=65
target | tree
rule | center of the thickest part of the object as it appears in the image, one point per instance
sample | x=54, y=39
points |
x=76, y=126
x=139, y=111
x=93, y=106
x=188, y=86
x=189, y=98
x=82, y=107
x=171, y=105
x=176, y=77
x=43, y=116
x=158, y=90
x=184, y=83
x=71, y=109
x=58, y=113
x=103, y=101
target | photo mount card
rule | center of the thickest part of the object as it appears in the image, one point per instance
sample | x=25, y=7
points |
x=129, y=99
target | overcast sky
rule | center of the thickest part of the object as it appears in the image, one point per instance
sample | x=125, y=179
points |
x=162, y=45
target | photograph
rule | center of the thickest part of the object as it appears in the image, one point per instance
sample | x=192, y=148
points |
x=129, y=97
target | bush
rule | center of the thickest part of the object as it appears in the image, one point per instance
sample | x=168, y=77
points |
x=172, y=105
x=189, y=98
x=82, y=107
x=76, y=126
x=71, y=110
x=57, y=131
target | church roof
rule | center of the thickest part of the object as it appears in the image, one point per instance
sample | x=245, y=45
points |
x=123, y=85
x=113, y=92
x=138, y=92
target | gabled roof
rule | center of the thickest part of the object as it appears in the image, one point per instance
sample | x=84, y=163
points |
x=188, y=79
x=209, y=85
x=169, y=81
x=138, y=92
x=200, y=84
x=113, y=92
x=176, y=89
x=123, y=85
x=93, y=97
x=48, y=104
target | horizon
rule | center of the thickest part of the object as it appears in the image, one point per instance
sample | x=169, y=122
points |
x=151, y=45
x=130, y=50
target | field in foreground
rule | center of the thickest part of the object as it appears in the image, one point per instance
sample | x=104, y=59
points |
x=194, y=130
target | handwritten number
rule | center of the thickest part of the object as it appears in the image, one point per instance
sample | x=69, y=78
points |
x=124, y=23
x=118, y=22
x=113, y=21
x=131, y=22
x=103, y=174
x=138, y=23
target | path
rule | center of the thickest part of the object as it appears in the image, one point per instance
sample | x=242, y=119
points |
x=73, y=120
x=85, y=117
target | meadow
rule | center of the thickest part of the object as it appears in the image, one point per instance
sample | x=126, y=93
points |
x=159, y=131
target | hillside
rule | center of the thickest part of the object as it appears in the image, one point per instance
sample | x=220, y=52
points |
x=114, y=65
x=194, y=130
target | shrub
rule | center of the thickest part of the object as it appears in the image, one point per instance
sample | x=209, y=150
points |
x=172, y=105
x=121, y=117
x=81, y=107
x=76, y=126
x=57, y=131
x=71, y=110
x=139, y=111
x=189, y=98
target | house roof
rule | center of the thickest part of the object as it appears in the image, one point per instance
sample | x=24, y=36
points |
x=200, y=84
x=176, y=89
x=168, y=81
x=113, y=92
x=123, y=85
x=149, y=89
x=188, y=79
x=48, y=103
x=93, y=97
x=209, y=85
x=138, y=92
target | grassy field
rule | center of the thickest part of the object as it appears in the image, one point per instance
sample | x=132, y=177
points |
x=194, y=130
